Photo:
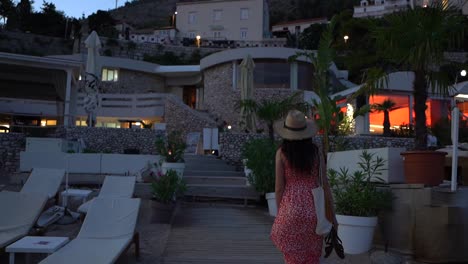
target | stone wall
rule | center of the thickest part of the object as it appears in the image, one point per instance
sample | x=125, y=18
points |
x=31, y=44
x=137, y=51
x=11, y=144
x=131, y=82
x=220, y=98
x=114, y=140
x=231, y=144
x=179, y=117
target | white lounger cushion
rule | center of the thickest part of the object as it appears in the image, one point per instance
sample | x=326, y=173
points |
x=113, y=187
x=18, y=212
x=87, y=250
x=106, y=232
x=43, y=180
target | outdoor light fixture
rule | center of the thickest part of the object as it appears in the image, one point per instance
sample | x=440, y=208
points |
x=43, y=123
x=198, y=40
x=463, y=73
x=175, y=13
x=346, y=37
x=229, y=127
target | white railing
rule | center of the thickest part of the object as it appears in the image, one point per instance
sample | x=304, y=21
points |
x=126, y=105
x=30, y=106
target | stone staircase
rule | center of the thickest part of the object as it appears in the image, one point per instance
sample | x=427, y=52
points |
x=209, y=177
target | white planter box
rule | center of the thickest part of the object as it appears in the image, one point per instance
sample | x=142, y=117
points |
x=393, y=172
x=271, y=198
x=178, y=167
x=356, y=233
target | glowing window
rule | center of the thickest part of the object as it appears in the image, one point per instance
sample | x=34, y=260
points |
x=110, y=75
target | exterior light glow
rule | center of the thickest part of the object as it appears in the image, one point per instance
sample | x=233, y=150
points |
x=463, y=73
x=346, y=37
x=229, y=127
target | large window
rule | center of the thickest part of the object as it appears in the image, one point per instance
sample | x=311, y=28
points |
x=244, y=13
x=110, y=75
x=192, y=19
x=272, y=74
x=399, y=114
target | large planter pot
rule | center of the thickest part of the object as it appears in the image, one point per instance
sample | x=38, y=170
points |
x=424, y=167
x=356, y=233
x=176, y=166
x=162, y=212
x=271, y=199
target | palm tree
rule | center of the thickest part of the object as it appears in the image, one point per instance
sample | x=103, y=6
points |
x=270, y=111
x=416, y=40
x=386, y=106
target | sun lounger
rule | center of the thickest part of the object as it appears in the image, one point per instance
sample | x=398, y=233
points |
x=108, y=230
x=113, y=187
x=43, y=180
x=19, y=212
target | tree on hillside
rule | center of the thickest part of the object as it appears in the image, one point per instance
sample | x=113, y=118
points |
x=24, y=12
x=310, y=37
x=49, y=21
x=103, y=23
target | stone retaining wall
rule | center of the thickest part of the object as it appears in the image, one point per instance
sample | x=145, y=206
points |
x=11, y=144
x=32, y=44
x=179, y=117
x=231, y=144
x=114, y=140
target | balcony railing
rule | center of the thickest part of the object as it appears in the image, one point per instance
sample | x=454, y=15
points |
x=126, y=105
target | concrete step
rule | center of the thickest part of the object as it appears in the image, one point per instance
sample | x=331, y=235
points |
x=210, y=180
x=222, y=191
x=205, y=161
x=143, y=190
x=213, y=173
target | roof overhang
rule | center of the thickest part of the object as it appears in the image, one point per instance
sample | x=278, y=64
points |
x=39, y=62
x=256, y=53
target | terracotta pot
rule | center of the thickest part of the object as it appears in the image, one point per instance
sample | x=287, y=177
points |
x=424, y=167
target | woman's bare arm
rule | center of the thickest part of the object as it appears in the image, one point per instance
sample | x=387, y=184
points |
x=279, y=178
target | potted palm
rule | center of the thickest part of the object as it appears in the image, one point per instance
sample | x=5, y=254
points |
x=172, y=150
x=358, y=202
x=416, y=40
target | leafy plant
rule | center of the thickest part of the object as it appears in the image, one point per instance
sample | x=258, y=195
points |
x=355, y=194
x=172, y=147
x=168, y=186
x=260, y=155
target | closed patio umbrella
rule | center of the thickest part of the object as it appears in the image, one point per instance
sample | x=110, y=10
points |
x=91, y=101
x=247, y=116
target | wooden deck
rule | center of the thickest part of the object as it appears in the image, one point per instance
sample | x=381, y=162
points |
x=222, y=234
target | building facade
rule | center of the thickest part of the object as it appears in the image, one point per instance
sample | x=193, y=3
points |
x=379, y=8
x=236, y=20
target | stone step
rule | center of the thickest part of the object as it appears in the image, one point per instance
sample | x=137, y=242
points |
x=209, y=167
x=237, y=181
x=213, y=173
x=222, y=191
x=205, y=161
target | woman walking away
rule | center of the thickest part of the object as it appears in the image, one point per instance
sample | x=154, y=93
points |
x=297, y=173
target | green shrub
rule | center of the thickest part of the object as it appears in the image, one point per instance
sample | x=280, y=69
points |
x=168, y=186
x=260, y=155
x=171, y=148
x=355, y=194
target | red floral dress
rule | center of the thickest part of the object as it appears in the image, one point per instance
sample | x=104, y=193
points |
x=293, y=231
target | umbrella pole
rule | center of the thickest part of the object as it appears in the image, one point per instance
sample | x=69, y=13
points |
x=455, y=120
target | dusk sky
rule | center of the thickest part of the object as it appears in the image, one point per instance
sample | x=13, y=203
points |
x=75, y=8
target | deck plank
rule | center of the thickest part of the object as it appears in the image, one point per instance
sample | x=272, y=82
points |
x=221, y=234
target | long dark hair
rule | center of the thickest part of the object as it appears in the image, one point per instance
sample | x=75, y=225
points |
x=301, y=154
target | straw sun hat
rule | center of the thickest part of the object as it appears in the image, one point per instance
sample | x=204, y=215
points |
x=295, y=126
